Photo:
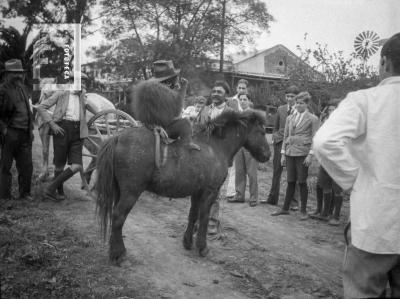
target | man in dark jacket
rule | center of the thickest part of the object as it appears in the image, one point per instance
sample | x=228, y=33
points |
x=16, y=131
x=277, y=138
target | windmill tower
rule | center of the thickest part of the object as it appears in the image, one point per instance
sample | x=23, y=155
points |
x=366, y=44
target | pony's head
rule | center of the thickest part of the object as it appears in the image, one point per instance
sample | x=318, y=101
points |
x=256, y=142
x=252, y=123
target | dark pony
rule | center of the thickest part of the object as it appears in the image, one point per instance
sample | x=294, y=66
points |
x=126, y=168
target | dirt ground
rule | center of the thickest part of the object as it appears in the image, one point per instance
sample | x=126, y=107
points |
x=54, y=250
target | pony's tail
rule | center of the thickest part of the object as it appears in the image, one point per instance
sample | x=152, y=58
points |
x=106, y=186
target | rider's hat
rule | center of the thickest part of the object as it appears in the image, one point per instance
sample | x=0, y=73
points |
x=164, y=70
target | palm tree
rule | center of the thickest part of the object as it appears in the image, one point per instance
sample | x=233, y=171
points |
x=13, y=45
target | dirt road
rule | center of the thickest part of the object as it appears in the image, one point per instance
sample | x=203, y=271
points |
x=256, y=255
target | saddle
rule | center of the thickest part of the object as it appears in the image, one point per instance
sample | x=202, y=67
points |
x=160, y=135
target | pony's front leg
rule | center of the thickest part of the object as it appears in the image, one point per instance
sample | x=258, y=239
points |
x=121, y=211
x=193, y=215
x=204, y=211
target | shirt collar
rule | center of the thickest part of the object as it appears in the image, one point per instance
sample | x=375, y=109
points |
x=390, y=80
x=220, y=106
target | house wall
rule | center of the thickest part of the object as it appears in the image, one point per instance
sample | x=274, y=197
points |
x=253, y=65
x=278, y=62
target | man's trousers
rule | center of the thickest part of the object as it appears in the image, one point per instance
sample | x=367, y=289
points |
x=246, y=165
x=17, y=146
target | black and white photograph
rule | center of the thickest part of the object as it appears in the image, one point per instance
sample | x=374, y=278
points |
x=211, y=149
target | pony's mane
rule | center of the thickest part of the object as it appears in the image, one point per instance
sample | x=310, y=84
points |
x=232, y=118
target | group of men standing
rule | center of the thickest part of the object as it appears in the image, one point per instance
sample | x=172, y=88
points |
x=358, y=146
x=68, y=127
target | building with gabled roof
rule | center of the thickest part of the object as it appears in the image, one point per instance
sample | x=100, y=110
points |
x=275, y=62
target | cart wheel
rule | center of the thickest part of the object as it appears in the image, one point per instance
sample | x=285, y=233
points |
x=102, y=126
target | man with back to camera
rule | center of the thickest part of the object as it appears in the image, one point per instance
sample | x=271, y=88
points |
x=359, y=147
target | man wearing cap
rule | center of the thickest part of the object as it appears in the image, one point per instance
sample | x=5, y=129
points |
x=277, y=140
x=219, y=104
x=16, y=127
x=69, y=128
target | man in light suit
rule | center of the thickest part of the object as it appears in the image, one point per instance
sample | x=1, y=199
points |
x=234, y=102
x=296, y=152
x=277, y=140
x=69, y=127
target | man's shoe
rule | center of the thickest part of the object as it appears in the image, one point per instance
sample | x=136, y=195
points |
x=252, y=203
x=303, y=216
x=280, y=212
x=212, y=228
x=194, y=146
x=315, y=215
x=26, y=197
x=334, y=222
x=236, y=199
x=52, y=196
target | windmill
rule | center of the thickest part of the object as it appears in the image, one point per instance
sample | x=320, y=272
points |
x=367, y=43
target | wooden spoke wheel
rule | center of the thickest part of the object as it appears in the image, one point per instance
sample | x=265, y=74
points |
x=102, y=126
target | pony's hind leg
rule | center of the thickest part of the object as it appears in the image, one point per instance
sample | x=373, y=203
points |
x=206, y=200
x=120, y=212
x=193, y=215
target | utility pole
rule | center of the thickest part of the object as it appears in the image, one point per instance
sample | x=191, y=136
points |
x=221, y=57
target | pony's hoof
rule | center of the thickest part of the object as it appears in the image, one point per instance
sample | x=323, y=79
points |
x=187, y=244
x=117, y=257
x=203, y=252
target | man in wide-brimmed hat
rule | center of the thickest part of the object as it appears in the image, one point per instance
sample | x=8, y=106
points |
x=69, y=127
x=176, y=126
x=165, y=73
x=16, y=126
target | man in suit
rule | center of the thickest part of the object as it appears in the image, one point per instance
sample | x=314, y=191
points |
x=300, y=129
x=16, y=131
x=219, y=104
x=69, y=127
x=246, y=166
x=277, y=140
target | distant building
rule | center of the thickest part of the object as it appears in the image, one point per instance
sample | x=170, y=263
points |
x=267, y=72
x=274, y=62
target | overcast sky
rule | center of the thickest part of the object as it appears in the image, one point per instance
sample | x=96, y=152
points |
x=332, y=22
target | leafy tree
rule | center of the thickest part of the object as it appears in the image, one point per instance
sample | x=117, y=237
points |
x=34, y=12
x=48, y=11
x=181, y=30
x=338, y=74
